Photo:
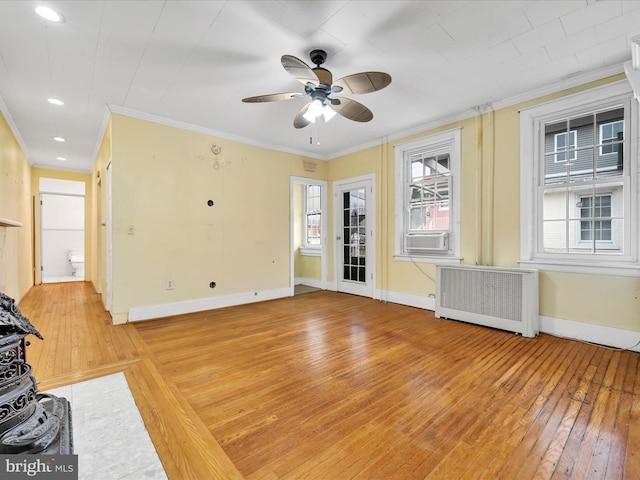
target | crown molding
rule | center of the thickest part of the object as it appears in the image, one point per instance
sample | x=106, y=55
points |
x=205, y=131
x=14, y=129
x=569, y=82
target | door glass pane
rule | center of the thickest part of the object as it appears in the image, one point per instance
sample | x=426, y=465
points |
x=354, y=235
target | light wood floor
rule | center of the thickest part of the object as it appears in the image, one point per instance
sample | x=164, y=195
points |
x=333, y=386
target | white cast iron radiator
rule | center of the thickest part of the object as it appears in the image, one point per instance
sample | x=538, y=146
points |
x=504, y=298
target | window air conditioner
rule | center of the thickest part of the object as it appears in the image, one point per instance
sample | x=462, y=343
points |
x=422, y=243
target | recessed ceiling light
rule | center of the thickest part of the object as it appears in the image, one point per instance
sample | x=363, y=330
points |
x=55, y=101
x=62, y=159
x=49, y=14
x=59, y=139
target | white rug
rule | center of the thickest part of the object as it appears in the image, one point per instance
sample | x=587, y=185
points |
x=109, y=435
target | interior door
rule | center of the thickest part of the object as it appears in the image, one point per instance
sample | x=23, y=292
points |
x=355, y=248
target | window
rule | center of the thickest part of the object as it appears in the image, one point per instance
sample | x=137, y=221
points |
x=579, y=207
x=313, y=215
x=428, y=190
x=427, y=198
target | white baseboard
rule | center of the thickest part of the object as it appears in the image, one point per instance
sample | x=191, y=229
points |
x=310, y=282
x=418, y=301
x=179, y=308
x=589, y=332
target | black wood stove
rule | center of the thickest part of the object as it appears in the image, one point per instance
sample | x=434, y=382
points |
x=30, y=422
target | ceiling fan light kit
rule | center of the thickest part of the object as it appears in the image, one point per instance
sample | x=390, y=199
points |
x=319, y=86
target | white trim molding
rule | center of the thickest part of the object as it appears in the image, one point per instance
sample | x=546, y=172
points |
x=592, y=333
x=613, y=337
x=190, y=306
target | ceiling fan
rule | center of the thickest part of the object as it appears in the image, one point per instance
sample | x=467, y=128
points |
x=319, y=86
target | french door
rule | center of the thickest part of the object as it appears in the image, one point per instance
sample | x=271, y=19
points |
x=354, y=207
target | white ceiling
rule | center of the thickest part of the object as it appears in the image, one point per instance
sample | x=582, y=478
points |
x=191, y=63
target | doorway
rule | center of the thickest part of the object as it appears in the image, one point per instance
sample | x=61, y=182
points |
x=62, y=235
x=308, y=228
x=354, y=213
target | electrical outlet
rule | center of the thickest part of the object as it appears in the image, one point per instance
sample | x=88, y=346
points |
x=432, y=295
x=170, y=285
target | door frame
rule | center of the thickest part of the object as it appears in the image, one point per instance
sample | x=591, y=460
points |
x=338, y=187
x=324, y=223
x=109, y=239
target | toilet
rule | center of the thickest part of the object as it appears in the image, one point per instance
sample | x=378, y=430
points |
x=76, y=258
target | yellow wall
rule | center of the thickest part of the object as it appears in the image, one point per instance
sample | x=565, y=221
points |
x=490, y=221
x=16, y=243
x=163, y=177
x=162, y=180
x=36, y=175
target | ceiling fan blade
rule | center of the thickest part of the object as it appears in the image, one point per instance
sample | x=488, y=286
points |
x=300, y=121
x=365, y=82
x=274, y=97
x=299, y=70
x=353, y=110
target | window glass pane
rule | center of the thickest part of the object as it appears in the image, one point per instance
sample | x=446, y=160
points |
x=417, y=218
x=550, y=132
x=581, y=169
x=614, y=230
x=417, y=169
x=313, y=229
x=313, y=215
x=554, y=172
x=610, y=154
x=554, y=205
x=555, y=236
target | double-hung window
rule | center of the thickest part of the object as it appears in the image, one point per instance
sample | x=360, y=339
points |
x=427, y=197
x=579, y=183
x=312, y=220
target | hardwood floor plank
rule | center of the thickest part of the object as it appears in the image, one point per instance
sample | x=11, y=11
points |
x=328, y=385
x=631, y=467
x=491, y=430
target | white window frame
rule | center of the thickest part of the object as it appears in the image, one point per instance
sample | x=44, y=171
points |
x=532, y=121
x=444, y=142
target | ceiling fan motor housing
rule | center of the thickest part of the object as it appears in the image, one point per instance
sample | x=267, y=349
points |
x=318, y=57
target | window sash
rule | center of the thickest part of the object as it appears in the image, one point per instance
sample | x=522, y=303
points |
x=312, y=216
x=563, y=230
x=427, y=196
